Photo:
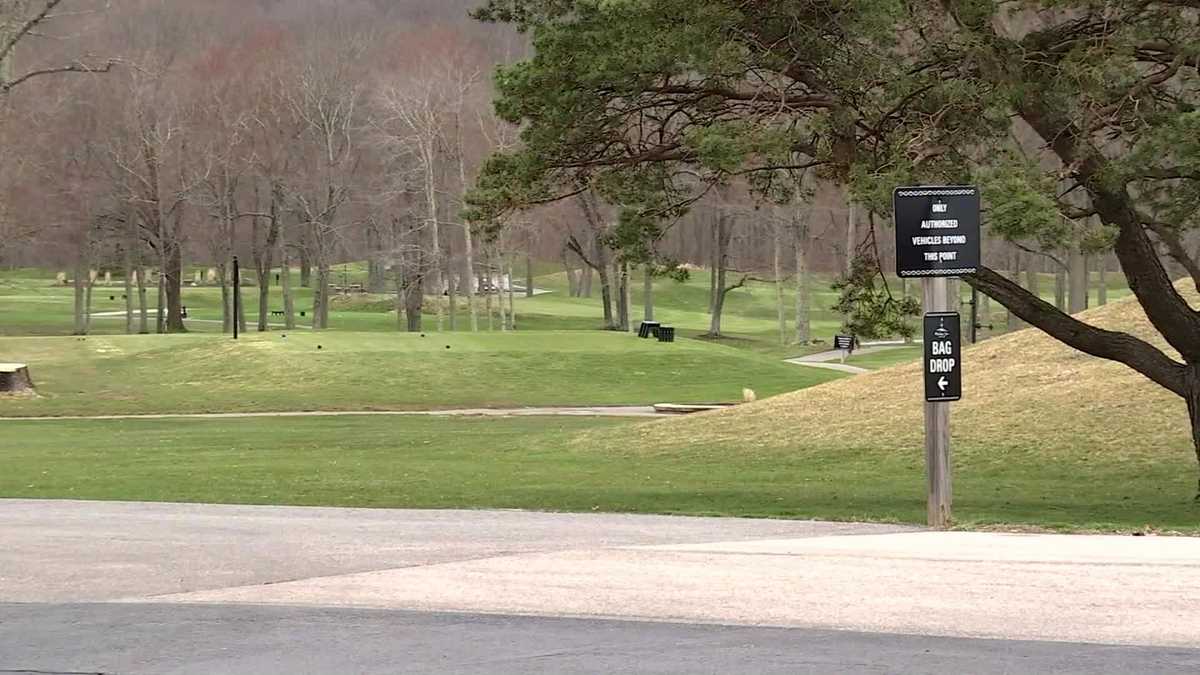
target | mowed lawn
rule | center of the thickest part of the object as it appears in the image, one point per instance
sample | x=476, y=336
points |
x=562, y=464
x=364, y=371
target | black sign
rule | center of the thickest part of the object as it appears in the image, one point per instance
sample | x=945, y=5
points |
x=943, y=357
x=937, y=230
x=844, y=342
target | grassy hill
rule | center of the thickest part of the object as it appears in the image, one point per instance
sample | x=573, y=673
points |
x=1043, y=435
x=351, y=371
x=1044, y=438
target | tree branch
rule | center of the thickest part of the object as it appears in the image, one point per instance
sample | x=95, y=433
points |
x=1112, y=345
x=1167, y=310
x=5, y=87
x=7, y=47
x=1053, y=258
x=1175, y=248
x=575, y=247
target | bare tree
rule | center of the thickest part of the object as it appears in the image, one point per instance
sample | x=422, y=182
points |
x=415, y=123
x=324, y=99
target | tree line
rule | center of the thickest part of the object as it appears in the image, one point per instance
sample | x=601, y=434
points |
x=308, y=134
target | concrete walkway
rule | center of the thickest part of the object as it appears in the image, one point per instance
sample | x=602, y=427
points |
x=842, y=576
x=827, y=359
x=840, y=367
x=141, y=588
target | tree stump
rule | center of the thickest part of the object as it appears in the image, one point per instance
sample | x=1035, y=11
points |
x=14, y=378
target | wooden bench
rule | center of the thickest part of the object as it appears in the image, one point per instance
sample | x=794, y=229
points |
x=277, y=312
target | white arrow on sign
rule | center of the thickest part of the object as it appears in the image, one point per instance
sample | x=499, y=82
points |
x=941, y=383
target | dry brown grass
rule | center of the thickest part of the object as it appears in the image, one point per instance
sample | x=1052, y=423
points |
x=1024, y=392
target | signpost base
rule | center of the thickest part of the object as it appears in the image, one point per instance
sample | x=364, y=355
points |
x=937, y=425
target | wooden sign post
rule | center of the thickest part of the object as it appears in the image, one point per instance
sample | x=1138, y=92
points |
x=937, y=236
x=937, y=424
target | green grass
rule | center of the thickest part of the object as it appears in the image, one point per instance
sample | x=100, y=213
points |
x=32, y=304
x=1056, y=454
x=555, y=464
x=353, y=371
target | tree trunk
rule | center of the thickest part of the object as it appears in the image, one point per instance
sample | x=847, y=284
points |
x=414, y=296
x=435, y=243
x=1102, y=289
x=241, y=303
x=375, y=280
x=528, y=275
x=713, y=264
x=226, y=299
x=131, y=239
x=1060, y=288
x=87, y=305
x=606, y=289
x=469, y=268
x=851, y=236
x=305, y=266
x=285, y=280
x=240, y=314
x=317, y=299
x=614, y=275
x=777, y=268
x=623, y=297
x=985, y=310
x=585, y=281
x=399, y=301
x=1078, y=280
x=498, y=288
x=172, y=280
x=512, y=308
x=264, y=259
x=81, y=269
x=572, y=280
x=648, y=293
x=1193, y=406
x=1014, y=322
x=721, y=258
x=264, y=299
x=714, y=324
x=321, y=310
x=143, y=312
x=803, y=288
x=160, y=313
x=452, y=297
x=376, y=283
x=1033, y=278
x=289, y=302
x=129, y=272
x=413, y=281
x=486, y=287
